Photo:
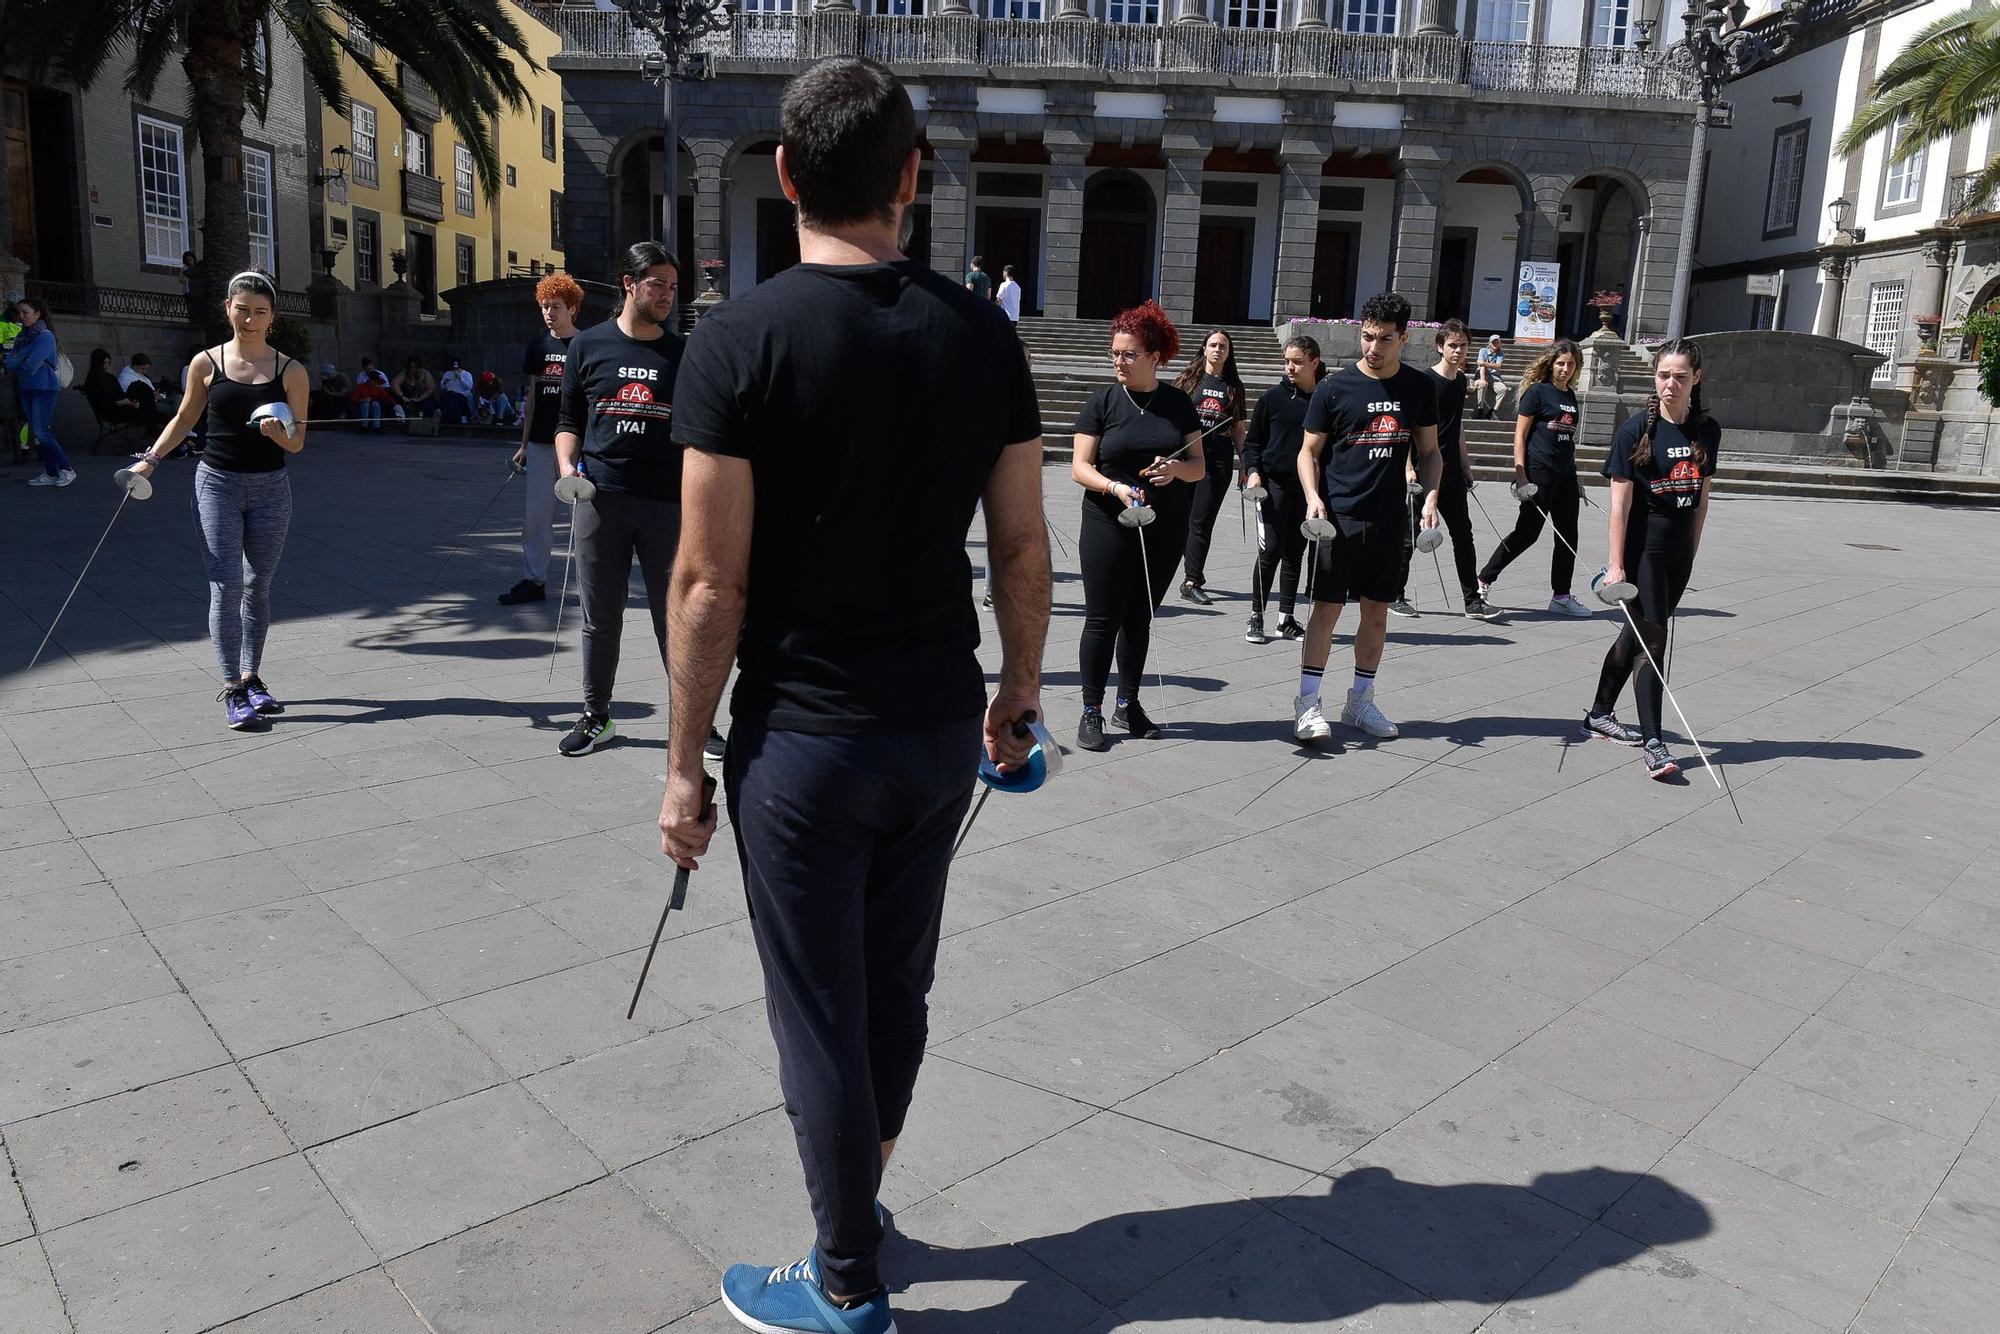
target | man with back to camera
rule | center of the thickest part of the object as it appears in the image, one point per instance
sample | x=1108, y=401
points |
x=1360, y=428
x=559, y=298
x=857, y=721
x=977, y=280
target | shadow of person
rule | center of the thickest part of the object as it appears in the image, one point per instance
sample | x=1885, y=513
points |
x=1371, y=1240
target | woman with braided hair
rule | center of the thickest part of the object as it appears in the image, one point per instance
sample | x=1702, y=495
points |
x=1660, y=465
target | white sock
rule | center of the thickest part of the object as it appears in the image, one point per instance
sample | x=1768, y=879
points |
x=1364, y=681
x=1309, y=680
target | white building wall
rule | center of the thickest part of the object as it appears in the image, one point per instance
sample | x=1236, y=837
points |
x=1491, y=209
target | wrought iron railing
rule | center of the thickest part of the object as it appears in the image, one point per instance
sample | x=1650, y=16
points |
x=1272, y=55
x=1963, y=197
x=89, y=301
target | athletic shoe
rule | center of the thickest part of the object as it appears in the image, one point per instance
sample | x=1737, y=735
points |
x=789, y=1300
x=528, y=590
x=1479, y=609
x=1562, y=604
x=1255, y=634
x=1308, y=724
x=987, y=601
x=593, y=731
x=1288, y=628
x=1193, y=592
x=63, y=478
x=713, y=747
x=1607, y=726
x=1361, y=713
x=1659, y=763
x=237, y=709
x=1090, y=730
x=260, y=698
x=1131, y=715
x=1402, y=607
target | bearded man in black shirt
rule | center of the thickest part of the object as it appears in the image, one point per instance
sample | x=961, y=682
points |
x=1360, y=429
x=811, y=410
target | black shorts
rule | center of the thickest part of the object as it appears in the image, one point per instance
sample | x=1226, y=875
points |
x=1365, y=561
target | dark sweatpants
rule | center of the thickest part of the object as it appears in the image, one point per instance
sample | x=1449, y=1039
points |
x=1558, y=492
x=610, y=530
x=844, y=843
x=1209, y=493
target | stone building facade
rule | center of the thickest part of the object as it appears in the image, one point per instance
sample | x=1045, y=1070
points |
x=1239, y=173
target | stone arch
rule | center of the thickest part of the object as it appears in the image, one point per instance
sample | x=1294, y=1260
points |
x=1609, y=254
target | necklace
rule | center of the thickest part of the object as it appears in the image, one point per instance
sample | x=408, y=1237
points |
x=1135, y=402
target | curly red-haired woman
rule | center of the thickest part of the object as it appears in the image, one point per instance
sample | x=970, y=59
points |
x=560, y=299
x=1138, y=442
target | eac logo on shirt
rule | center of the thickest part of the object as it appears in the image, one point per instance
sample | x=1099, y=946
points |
x=635, y=393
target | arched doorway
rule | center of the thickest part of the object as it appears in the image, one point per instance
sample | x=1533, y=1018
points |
x=1606, y=257
x=642, y=189
x=1115, y=260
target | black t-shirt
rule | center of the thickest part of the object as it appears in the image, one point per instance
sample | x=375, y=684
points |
x=618, y=393
x=1369, y=426
x=1212, y=405
x=1277, y=429
x=1552, y=439
x=872, y=402
x=1668, y=485
x=544, y=362
x=1133, y=429
x=1451, y=416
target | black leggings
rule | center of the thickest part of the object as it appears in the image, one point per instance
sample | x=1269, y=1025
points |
x=1664, y=560
x=1209, y=493
x=1557, y=492
x=1280, y=544
x=1452, y=508
x=1117, y=615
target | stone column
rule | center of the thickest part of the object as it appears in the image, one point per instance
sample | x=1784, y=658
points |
x=1419, y=221
x=1928, y=299
x=1180, y=233
x=1437, y=19
x=1312, y=14
x=708, y=241
x=951, y=126
x=1301, y=162
x=1833, y=270
x=1062, y=229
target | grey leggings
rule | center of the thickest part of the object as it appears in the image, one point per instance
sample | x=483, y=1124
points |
x=609, y=531
x=242, y=518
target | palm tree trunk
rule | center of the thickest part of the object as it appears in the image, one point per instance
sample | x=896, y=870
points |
x=214, y=65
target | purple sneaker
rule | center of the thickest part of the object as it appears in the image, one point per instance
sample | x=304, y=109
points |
x=260, y=698
x=237, y=707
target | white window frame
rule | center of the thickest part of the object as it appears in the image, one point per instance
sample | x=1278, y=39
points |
x=1902, y=182
x=1886, y=304
x=1502, y=20
x=1028, y=10
x=417, y=150
x=1611, y=23
x=264, y=236
x=367, y=146
x=1789, y=146
x=463, y=178
x=163, y=195
x=1369, y=16
x=1146, y=13
x=1252, y=14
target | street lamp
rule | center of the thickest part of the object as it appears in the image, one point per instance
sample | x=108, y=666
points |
x=1719, y=48
x=1838, y=212
x=677, y=26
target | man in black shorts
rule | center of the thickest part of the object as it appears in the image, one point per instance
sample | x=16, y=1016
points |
x=857, y=720
x=1359, y=431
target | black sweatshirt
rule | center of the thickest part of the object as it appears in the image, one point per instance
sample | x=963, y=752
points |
x=1277, y=430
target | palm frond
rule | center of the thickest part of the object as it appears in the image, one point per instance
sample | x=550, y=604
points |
x=1944, y=81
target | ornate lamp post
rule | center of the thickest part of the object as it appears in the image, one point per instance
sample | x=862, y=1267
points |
x=678, y=26
x=1720, y=49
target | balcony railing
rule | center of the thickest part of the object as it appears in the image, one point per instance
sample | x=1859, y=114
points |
x=123, y=304
x=1264, y=55
x=423, y=196
x=1964, y=199
x=417, y=94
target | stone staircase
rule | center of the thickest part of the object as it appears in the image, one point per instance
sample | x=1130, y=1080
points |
x=1070, y=359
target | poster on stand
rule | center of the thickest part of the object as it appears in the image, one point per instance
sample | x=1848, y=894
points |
x=1535, y=302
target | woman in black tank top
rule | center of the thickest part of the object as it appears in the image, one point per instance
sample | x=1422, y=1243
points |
x=242, y=495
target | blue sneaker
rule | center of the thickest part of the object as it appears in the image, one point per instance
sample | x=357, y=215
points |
x=260, y=698
x=237, y=708
x=789, y=1301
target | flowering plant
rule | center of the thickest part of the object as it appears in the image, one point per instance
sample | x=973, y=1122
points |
x=1607, y=300
x=711, y=264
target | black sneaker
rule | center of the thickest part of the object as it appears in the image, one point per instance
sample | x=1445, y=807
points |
x=712, y=747
x=1288, y=628
x=1402, y=607
x=1090, y=730
x=1607, y=726
x=260, y=697
x=1660, y=765
x=593, y=731
x=1193, y=592
x=1479, y=609
x=987, y=601
x=1132, y=717
x=525, y=591
x=1255, y=634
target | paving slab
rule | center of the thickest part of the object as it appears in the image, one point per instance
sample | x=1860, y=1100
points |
x=366, y=1303
x=28, y=1291
x=109, y=1051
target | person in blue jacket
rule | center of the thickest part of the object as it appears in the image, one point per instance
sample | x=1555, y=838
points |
x=32, y=361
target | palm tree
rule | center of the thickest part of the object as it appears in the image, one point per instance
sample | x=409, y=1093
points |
x=463, y=49
x=1942, y=83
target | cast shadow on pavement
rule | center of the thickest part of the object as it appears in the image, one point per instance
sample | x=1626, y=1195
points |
x=1372, y=1240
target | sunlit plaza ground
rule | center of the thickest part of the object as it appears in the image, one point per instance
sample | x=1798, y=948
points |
x=323, y=1029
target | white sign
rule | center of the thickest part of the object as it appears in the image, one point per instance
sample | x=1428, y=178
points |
x=1763, y=284
x=1535, y=302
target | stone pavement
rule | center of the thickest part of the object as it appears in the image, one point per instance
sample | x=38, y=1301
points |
x=323, y=1029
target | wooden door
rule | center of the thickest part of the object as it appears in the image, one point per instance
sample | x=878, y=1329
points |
x=1453, y=298
x=1333, y=272
x=21, y=174
x=1222, y=271
x=1011, y=238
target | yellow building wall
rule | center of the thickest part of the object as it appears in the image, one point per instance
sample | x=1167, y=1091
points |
x=508, y=234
